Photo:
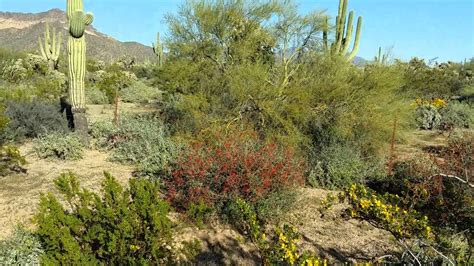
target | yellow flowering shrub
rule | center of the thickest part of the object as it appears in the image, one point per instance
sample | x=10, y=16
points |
x=435, y=102
x=281, y=248
x=385, y=211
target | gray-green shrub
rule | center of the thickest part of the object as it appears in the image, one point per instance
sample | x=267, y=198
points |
x=21, y=248
x=139, y=92
x=457, y=115
x=30, y=119
x=140, y=140
x=95, y=95
x=58, y=145
x=339, y=165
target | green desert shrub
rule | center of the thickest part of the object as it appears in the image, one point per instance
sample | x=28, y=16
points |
x=30, y=119
x=10, y=158
x=95, y=95
x=122, y=226
x=273, y=207
x=457, y=115
x=199, y=213
x=428, y=117
x=340, y=165
x=56, y=145
x=139, y=92
x=139, y=140
x=21, y=248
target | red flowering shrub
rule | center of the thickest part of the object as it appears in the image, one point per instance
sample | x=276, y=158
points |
x=224, y=166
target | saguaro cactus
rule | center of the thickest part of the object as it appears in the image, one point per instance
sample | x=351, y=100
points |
x=343, y=36
x=78, y=20
x=51, y=49
x=158, y=50
x=382, y=58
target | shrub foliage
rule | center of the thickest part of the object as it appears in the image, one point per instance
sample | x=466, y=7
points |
x=124, y=226
x=237, y=164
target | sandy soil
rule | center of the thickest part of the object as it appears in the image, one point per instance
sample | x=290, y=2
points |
x=19, y=194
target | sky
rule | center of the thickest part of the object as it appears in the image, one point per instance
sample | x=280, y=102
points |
x=428, y=29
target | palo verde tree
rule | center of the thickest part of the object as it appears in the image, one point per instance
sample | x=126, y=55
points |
x=296, y=36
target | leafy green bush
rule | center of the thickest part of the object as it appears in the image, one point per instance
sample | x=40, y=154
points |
x=21, y=248
x=275, y=205
x=140, y=140
x=59, y=146
x=124, y=226
x=457, y=115
x=95, y=95
x=10, y=158
x=199, y=213
x=280, y=248
x=340, y=165
x=30, y=119
x=139, y=92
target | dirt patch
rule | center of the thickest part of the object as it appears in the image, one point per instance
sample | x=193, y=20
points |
x=221, y=245
x=98, y=112
x=19, y=194
x=334, y=237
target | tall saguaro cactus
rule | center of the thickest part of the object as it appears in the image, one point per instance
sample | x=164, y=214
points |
x=158, y=50
x=78, y=20
x=51, y=49
x=344, y=29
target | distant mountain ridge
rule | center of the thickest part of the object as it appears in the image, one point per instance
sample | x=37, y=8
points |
x=20, y=32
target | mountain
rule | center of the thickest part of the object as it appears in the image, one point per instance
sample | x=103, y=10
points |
x=20, y=32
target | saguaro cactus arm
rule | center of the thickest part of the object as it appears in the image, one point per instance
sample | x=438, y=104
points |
x=51, y=49
x=344, y=30
x=158, y=49
x=355, y=49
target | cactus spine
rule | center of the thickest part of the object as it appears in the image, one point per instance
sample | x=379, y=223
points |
x=78, y=20
x=158, y=50
x=51, y=49
x=344, y=29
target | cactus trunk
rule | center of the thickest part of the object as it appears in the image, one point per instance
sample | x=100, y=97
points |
x=78, y=20
x=77, y=72
x=158, y=50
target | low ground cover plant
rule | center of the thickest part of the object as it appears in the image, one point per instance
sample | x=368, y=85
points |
x=57, y=145
x=21, y=248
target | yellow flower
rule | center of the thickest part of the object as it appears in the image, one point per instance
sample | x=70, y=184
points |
x=438, y=103
x=364, y=203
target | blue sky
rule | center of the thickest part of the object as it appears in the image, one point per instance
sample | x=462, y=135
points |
x=423, y=28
